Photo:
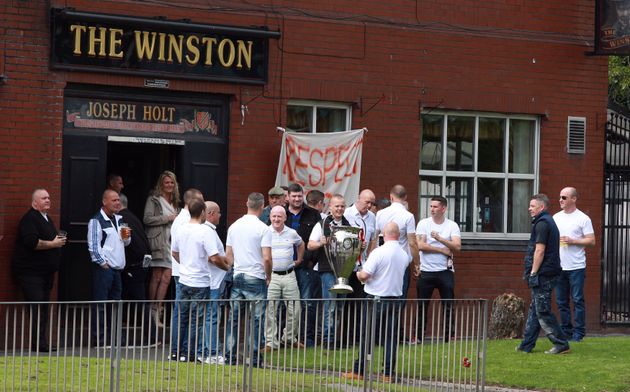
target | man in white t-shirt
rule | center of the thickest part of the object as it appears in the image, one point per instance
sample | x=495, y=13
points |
x=576, y=233
x=176, y=339
x=283, y=285
x=248, y=248
x=397, y=212
x=194, y=249
x=217, y=288
x=438, y=238
x=383, y=275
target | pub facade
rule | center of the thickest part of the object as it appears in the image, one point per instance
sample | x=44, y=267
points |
x=484, y=105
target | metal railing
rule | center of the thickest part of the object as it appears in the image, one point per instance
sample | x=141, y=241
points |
x=370, y=344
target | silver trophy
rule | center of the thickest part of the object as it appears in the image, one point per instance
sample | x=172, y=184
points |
x=342, y=250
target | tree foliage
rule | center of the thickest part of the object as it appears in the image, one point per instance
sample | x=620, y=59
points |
x=619, y=79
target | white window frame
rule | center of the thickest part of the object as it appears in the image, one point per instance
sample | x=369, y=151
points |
x=323, y=104
x=475, y=174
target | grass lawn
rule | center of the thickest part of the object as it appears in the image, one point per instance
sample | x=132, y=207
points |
x=596, y=364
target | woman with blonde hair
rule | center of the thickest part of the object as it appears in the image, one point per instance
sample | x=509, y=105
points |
x=160, y=210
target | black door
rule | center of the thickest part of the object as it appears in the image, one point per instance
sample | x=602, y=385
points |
x=83, y=182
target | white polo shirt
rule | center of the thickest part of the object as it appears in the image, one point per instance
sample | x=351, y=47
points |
x=282, y=244
x=386, y=265
x=366, y=222
x=182, y=218
x=435, y=262
x=195, y=244
x=216, y=273
x=575, y=225
x=247, y=236
x=403, y=218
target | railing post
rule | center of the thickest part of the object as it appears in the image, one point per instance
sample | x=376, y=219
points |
x=114, y=384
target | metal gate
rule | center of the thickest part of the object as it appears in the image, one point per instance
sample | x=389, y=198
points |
x=616, y=242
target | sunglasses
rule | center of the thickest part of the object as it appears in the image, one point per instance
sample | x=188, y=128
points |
x=563, y=197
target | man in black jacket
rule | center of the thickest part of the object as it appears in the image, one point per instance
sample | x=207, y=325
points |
x=35, y=261
x=302, y=218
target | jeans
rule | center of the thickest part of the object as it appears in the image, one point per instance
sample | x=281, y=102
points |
x=193, y=313
x=308, y=283
x=330, y=306
x=540, y=316
x=106, y=285
x=254, y=289
x=444, y=282
x=178, y=336
x=571, y=288
x=380, y=319
x=213, y=318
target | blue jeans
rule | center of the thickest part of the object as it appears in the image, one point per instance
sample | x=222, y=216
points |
x=540, y=316
x=177, y=337
x=106, y=285
x=308, y=282
x=571, y=288
x=249, y=288
x=328, y=281
x=192, y=313
x=380, y=319
x=213, y=317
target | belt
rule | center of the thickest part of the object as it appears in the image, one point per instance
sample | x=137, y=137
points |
x=284, y=272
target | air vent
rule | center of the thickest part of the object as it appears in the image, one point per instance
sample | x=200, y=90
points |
x=576, y=135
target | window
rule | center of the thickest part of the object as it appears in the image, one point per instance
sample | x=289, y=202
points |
x=319, y=117
x=486, y=167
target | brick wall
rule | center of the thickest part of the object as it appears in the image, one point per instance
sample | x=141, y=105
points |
x=508, y=57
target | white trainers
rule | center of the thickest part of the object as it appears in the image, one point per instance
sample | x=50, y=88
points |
x=215, y=360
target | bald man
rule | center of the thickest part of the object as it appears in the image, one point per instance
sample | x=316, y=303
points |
x=383, y=274
x=35, y=261
x=283, y=285
x=576, y=233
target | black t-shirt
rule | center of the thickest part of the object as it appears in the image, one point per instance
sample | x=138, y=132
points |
x=542, y=232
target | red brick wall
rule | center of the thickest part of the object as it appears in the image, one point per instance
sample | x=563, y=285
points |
x=508, y=57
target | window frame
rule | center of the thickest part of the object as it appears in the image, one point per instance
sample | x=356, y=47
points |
x=322, y=104
x=506, y=176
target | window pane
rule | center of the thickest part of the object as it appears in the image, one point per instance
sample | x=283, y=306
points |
x=519, y=194
x=429, y=187
x=459, y=141
x=299, y=118
x=331, y=120
x=459, y=194
x=522, y=135
x=491, y=144
x=490, y=204
x=431, y=148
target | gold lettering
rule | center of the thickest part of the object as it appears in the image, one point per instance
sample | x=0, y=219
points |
x=230, y=60
x=147, y=114
x=132, y=112
x=114, y=111
x=114, y=43
x=244, y=52
x=89, y=111
x=144, y=47
x=171, y=114
x=77, y=30
x=100, y=41
x=106, y=107
x=208, y=42
x=162, y=44
x=192, y=48
x=96, y=110
x=175, y=44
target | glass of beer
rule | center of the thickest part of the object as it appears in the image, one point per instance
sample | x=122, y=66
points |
x=125, y=230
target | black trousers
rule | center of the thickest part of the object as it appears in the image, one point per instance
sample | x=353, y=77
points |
x=444, y=282
x=36, y=288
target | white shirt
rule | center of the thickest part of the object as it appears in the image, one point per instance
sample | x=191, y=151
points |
x=194, y=244
x=386, y=265
x=247, y=236
x=403, y=218
x=435, y=262
x=216, y=273
x=317, y=233
x=182, y=218
x=366, y=222
x=575, y=225
x=282, y=244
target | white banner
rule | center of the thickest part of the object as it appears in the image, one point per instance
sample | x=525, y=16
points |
x=329, y=162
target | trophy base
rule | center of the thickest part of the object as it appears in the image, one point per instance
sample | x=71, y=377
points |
x=341, y=287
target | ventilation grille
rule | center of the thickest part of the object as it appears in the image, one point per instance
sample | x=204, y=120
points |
x=576, y=135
